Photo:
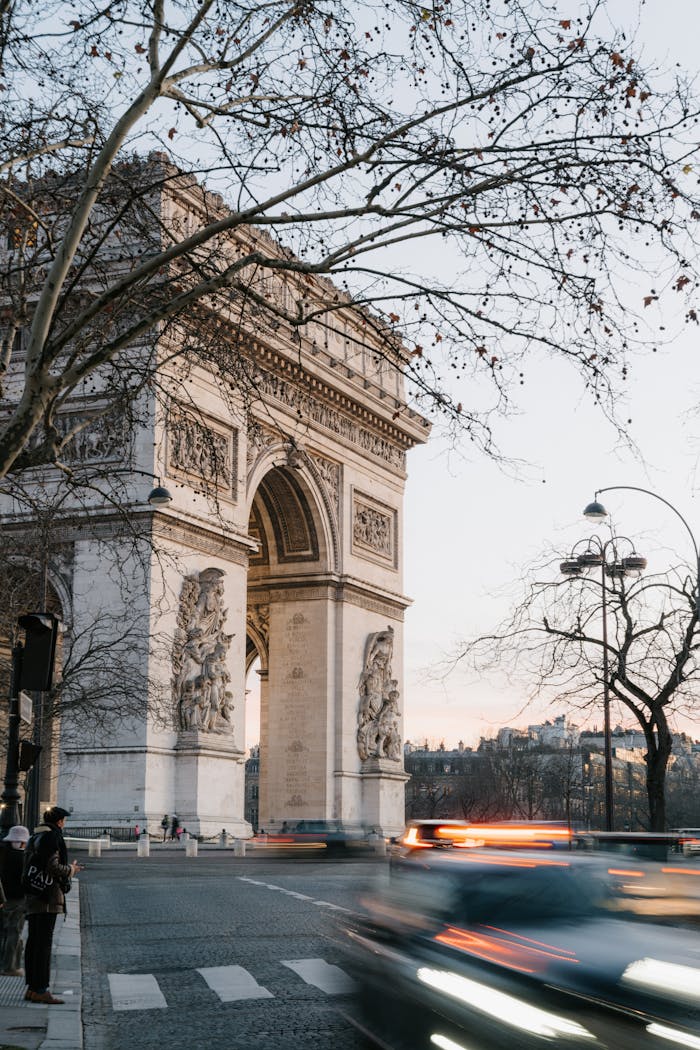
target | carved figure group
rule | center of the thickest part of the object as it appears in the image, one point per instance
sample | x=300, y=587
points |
x=200, y=675
x=372, y=528
x=197, y=449
x=378, y=715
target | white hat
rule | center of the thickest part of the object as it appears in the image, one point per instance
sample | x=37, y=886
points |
x=17, y=834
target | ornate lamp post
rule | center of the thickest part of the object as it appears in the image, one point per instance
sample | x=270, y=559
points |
x=595, y=511
x=615, y=567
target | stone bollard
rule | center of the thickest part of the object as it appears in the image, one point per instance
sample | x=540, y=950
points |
x=143, y=846
x=239, y=847
x=191, y=847
x=95, y=848
x=223, y=839
x=378, y=844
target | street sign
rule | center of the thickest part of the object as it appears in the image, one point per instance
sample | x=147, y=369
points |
x=26, y=707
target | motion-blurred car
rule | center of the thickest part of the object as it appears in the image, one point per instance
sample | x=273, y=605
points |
x=477, y=950
x=333, y=836
x=463, y=834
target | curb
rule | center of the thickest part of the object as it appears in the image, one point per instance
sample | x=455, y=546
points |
x=65, y=1028
x=38, y=1027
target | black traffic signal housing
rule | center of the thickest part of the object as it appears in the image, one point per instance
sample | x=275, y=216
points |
x=28, y=754
x=39, y=650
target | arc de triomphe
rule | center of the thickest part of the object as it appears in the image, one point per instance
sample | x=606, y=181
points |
x=283, y=543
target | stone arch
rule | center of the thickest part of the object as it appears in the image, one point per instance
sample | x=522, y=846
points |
x=303, y=478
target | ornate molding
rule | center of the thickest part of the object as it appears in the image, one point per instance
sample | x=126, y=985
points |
x=306, y=406
x=200, y=539
x=328, y=475
x=378, y=716
x=259, y=439
x=258, y=620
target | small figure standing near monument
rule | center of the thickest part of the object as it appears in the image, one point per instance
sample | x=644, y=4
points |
x=165, y=824
x=13, y=913
x=47, y=854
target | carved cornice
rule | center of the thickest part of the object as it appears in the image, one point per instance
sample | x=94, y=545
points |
x=168, y=529
x=332, y=588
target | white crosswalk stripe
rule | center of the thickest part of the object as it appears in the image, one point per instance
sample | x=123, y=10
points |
x=135, y=991
x=232, y=983
x=330, y=979
x=140, y=991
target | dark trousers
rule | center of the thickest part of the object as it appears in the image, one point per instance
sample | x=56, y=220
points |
x=37, y=954
x=11, y=923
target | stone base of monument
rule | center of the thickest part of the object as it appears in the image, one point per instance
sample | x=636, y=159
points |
x=383, y=782
x=206, y=784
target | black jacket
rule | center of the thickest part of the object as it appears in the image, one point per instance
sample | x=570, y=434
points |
x=11, y=863
x=52, y=856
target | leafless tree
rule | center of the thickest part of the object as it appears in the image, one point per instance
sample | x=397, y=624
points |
x=552, y=643
x=529, y=148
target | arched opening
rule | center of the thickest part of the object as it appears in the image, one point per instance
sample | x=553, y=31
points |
x=286, y=637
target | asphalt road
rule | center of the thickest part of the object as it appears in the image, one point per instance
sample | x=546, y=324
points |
x=149, y=926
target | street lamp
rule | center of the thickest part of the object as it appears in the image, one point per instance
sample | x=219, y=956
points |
x=596, y=512
x=593, y=557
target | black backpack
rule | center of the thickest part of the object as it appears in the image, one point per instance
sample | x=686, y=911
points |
x=36, y=881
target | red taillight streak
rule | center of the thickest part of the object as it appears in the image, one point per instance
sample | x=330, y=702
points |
x=507, y=953
x=530, y=940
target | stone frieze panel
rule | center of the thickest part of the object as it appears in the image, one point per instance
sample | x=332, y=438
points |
x=202, y=451
x=374, y=528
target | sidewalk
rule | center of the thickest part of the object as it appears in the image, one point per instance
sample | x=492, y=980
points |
x=31, y=1026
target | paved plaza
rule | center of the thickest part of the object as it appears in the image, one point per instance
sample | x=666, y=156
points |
x=212, y=952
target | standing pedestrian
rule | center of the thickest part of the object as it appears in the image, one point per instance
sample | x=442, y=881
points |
x=173, y=827
x=46, y=861
x=137, y=830
x=12, y=915
x=165, y=824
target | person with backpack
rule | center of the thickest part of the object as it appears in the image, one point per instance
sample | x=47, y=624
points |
x=46, y=880
x=12, y=914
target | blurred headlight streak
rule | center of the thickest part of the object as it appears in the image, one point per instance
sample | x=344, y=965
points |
x=506, y=1008
x=446, y=1044
x=674, y=1036
x=678, y=982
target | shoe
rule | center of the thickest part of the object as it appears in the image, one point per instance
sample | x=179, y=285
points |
x=11, y=973
x=46, y=997
x=29, y=995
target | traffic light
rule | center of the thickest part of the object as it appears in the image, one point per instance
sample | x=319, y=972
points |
x=28, y=754
x=39, y=651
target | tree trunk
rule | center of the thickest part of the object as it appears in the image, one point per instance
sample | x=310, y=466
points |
x=658, y=754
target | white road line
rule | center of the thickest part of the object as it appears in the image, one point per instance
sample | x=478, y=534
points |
x=135, y=991
x=232, y=983
x=319, y=973
x=293, y=893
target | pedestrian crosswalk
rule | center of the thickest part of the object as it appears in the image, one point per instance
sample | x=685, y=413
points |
x=231, y=984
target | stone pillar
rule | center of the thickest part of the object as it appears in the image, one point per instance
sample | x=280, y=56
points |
x=296, y=728
x=383, y=794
